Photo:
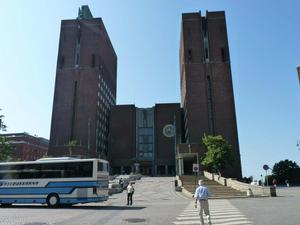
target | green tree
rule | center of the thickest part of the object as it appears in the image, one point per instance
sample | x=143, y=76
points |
x=282, y=168
x=71, y=144
x=2, y=125
x=218, y=154
x=5, y=148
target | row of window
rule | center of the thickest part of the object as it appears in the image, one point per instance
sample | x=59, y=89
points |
x=94, y=58
x=145, y=154
x=146, y=147
x=145, y=130
x=103, y=166
x=104, y=88
x=104, y=103
x=47, y=170
x=206, y=55
x=145, y=139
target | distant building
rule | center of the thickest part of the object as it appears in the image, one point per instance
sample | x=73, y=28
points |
x=206, y=87
x=26, y=147
x=139, y=140
x=85, y=87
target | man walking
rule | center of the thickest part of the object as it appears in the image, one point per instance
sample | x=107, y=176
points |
x=202, y=194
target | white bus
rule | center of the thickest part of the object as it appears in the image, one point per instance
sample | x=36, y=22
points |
x=54, y=181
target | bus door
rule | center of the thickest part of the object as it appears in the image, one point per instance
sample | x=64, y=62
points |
x=82, y=193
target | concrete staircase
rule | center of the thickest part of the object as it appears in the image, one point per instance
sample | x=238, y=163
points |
x=216, y=190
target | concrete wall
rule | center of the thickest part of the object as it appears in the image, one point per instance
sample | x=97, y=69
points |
x=240, y=186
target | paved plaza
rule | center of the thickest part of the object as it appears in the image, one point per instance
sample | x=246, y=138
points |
x=156, y=202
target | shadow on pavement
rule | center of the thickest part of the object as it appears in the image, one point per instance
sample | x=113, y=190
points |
x=76, y=207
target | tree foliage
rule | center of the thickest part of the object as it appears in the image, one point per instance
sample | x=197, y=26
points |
x=5, y=148
x=71, y=144
x=218, y=154
x=282, y=168
x=2, y=125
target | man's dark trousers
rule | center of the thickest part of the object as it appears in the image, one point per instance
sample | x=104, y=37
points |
x=129, y=198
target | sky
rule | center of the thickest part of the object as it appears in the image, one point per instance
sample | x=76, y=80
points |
x=264, y=50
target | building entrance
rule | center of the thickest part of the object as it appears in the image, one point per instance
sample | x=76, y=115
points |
x=146, y=170
x=188, y=164
x=185, y=163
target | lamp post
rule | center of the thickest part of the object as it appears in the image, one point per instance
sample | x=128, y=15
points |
x=169, y=131
x=266, y=168
x=175, y=141
x=88, y=146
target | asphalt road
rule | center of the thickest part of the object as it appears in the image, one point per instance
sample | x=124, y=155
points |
x=155, y=202
x=281, y=210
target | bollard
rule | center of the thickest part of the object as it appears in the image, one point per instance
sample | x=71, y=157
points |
x=273, y=191
x=249, y=193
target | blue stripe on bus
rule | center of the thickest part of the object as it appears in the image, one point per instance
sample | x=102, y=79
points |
x=23, y=200
x=66, y=187
x=73, y=184
x=35, y=191
x=82, y=200
x=62, y=200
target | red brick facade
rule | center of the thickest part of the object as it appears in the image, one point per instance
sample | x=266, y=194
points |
x=26, y=147
x=206, y=82
x=85, y=89
x=124, y=140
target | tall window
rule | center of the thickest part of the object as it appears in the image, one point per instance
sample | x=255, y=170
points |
x=223, y=54
x=145, y=143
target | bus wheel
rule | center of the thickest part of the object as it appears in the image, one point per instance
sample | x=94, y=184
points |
x=53, y=200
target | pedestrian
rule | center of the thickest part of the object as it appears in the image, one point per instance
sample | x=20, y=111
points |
x=219, y=175
x=130, y=191
x=274, y=182
x=287, y=182
x=201, y=194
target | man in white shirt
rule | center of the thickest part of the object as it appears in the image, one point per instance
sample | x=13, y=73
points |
x=202, y=194
x=130, y=191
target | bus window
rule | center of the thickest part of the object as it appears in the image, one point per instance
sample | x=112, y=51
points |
x=47, y=170
x=102, y=166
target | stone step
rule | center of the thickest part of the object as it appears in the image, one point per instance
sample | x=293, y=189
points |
x=217, y=190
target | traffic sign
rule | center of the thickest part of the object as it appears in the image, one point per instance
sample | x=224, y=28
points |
x=266, y=167
x=195, y=167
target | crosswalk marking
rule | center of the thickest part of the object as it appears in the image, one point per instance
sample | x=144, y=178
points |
x=222, y=212
x=223, y=217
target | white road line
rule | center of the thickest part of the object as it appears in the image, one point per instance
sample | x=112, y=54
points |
x=215, y=214
x=214, y=218
x=222, y=213
x=234, y=223
x=241, y=219
x=187, y=222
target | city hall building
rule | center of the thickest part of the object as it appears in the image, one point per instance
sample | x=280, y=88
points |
x=85, y=88
x=143, y=139
x=206, y=88
x=140, y=139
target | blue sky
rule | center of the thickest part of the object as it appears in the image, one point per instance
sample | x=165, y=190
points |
x=264, y=49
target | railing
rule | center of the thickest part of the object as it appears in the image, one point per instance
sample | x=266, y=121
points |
x=252, y=190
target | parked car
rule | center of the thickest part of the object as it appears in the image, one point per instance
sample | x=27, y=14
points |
x=255, y=182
